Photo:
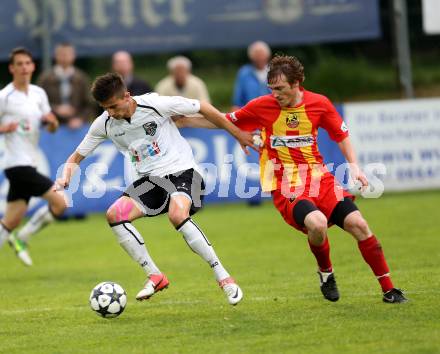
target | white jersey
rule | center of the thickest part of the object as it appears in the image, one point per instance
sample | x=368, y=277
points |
x=150, y=138
x=26, y=109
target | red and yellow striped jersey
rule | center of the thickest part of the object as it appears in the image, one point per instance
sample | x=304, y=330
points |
x=290, y=152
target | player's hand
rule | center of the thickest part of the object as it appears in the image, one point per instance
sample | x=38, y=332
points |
x=51, y=121
x=256, y=137
x=246, y=140
x=358, y=177
x=61, y=184
x=10, y=127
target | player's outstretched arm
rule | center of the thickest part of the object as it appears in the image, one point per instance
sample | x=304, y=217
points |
x=196, y=121
x=8, y=128
x=70, y=167
x=349, y=154
x=218, y=119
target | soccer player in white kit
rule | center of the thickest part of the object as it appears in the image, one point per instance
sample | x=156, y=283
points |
x=141, y=127
x=23, y=109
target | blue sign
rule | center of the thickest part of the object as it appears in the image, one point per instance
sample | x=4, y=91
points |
x=230, y=175
x=143, y=26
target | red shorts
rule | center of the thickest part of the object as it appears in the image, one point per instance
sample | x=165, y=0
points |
x=325, y=193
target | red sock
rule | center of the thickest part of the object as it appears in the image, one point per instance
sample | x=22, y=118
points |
x=322, y=255
x=372, y=252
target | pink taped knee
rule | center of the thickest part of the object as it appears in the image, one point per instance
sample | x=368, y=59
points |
x=122, y=208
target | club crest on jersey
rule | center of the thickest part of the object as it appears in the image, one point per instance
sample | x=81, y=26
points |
x=150, y=128
x=292, y=120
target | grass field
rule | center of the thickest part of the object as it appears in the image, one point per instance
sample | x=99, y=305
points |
x=44, y=309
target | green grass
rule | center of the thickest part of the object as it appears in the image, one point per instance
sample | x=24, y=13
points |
x=44, y=309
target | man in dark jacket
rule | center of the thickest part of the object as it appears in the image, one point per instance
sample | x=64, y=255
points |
x=122, y=63
x=68, y=89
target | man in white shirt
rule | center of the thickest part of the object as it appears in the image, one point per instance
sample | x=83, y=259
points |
x=23, y=109
x=141, y=128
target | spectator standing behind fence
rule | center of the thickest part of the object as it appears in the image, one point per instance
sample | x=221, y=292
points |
x=68, y=89
x=122, y=64
x=251, y=81
x=181, y=82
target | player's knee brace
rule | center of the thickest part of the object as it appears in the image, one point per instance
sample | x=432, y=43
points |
x=119, y=210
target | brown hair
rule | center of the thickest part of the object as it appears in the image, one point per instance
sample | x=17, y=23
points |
x=17, y=51
x=107, y=86
x=289, y=66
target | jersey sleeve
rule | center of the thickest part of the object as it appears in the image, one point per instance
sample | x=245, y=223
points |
x=333, y=123
x=175, y=105
x=44, y=102
x=246, y=118
x=95, y=136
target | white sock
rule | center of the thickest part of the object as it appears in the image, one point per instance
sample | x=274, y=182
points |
x=198, y=242
x=40, y=219
x=4, y=234
x=132, y=242
x=324, y=276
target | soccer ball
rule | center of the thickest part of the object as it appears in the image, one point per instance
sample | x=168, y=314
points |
x=108, y=299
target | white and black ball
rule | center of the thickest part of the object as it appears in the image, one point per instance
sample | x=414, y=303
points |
x=108, y=299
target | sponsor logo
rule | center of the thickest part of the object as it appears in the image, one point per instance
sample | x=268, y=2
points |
x=215, y=264
x=119, y=134
x=233, y=117
x=292, y=120
x=344, y=127
x=150, y=128
x=144, y=151
x=25, y=125
x=296, y=141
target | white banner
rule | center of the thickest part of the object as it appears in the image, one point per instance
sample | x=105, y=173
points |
x=403, y=135
x=431, y=16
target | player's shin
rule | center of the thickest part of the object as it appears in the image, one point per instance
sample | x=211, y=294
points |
x=41, y=218
x=372, y=252
x=198, y=242
x=132, y=242
x=322, y=255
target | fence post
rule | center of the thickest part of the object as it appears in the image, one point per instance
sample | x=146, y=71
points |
x=400, y=24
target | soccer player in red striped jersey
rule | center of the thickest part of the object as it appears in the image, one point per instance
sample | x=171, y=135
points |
x=306, y=194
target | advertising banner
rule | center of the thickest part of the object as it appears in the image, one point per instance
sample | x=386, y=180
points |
x=229, y=174
x=402, y=136
x=101, y=27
